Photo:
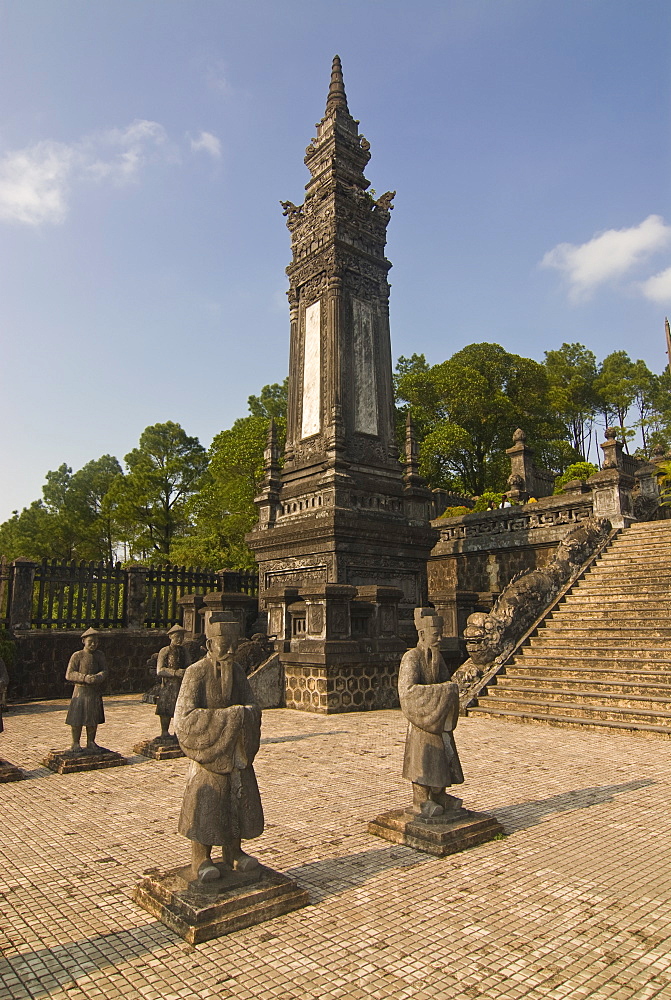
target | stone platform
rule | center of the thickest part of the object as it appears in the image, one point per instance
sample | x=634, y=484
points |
x=201, y=911
x=440, y=835
x=8, y=772
x=159, y=748
x=67, y=761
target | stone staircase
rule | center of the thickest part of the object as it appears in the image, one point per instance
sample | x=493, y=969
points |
x=602, y=658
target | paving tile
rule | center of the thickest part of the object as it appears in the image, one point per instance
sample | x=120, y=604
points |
x=572, y=902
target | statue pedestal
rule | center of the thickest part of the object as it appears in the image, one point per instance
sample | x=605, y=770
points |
x=447, y=834
x=201, y=911
x=159, y=748
x=67, y=761
x=9, y=772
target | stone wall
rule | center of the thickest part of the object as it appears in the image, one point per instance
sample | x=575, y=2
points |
x=354, y=688
x=478, y=554
x=41, y=659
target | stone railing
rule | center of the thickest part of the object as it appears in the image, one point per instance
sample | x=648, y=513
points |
x=548, y=512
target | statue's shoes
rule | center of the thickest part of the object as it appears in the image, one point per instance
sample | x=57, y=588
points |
x=94, y=748
x=207, y=872
x=245, y=862
x=431, y=808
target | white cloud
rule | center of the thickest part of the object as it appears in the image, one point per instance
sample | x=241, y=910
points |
x=35, y=182
x=607, y=255
x=217, y=79
x=658, y=287
x=208, y=143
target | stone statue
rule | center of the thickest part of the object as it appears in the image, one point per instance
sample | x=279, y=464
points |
x=170, y=667
x=88, y=672
x=218, y=724
x=430, y=703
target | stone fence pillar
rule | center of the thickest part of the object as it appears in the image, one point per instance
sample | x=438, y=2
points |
x=135, y=611
x=21, y=607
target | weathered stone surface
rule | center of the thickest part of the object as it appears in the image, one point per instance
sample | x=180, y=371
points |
x=9, y=772
x=491, y=637
x=340, y=511
x=267, y=683
x=160, y=748
x=68, y=761
x=200, y=911
x=446, y=835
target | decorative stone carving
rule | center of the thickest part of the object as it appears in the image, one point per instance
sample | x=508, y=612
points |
x=219, y=727
x=491, y=637
x=87, y=670
x=436, y=822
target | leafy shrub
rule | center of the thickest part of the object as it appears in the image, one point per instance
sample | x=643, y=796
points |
x=579, y=470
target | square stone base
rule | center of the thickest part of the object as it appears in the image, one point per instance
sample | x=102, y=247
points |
x=66, y=761
x=442, y=835
x=9, y=772
x=159, y=748
x=199, y=912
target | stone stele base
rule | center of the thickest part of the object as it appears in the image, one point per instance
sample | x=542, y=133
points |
x=159, y=748
x=454, y=831
x=66, y=761
x=9, y=772
x=198, y=912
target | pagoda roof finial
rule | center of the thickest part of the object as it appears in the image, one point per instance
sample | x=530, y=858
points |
x=337, y=97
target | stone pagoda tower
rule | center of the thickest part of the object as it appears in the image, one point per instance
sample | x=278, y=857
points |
x=343, y=534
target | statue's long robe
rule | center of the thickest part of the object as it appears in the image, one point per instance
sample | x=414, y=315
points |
x=171, y=659
x=86, y=705
x=221, y=736
x=430, y=703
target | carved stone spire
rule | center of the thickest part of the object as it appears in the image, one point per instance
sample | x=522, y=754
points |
x=336, y=97
x=271, y=456
x=411, y=476
x=268, y=500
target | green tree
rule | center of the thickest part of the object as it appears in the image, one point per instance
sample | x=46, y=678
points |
x=271, y=402
x=615, y=385
x=572, y=372
x=223, y=511
x=149, y=503
x=468, y=408
x=578, y=470
x=70, y=521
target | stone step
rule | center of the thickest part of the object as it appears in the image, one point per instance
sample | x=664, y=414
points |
x=625, y=614
x=576, y=630
x=594, y=725
x=609, y=659
x=590, y=697
x=658, y=717
x=539, y=680
x=583, y=600
x=639, y=648
x=635, y=572
x=625, y=588
x=617, y=676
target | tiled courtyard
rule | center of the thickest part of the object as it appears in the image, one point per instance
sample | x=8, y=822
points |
x=573, y=902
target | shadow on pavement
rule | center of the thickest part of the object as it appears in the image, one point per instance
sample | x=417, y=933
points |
x=46, y=970
x=336, y=875
x=526, y=814
x=301, y=736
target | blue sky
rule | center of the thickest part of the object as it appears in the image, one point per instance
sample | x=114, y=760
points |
x=145, y=146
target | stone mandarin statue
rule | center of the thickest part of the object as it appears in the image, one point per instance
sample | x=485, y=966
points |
x=88, y=672
x=430, y=703
x=170, y=667
x=218, y=724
